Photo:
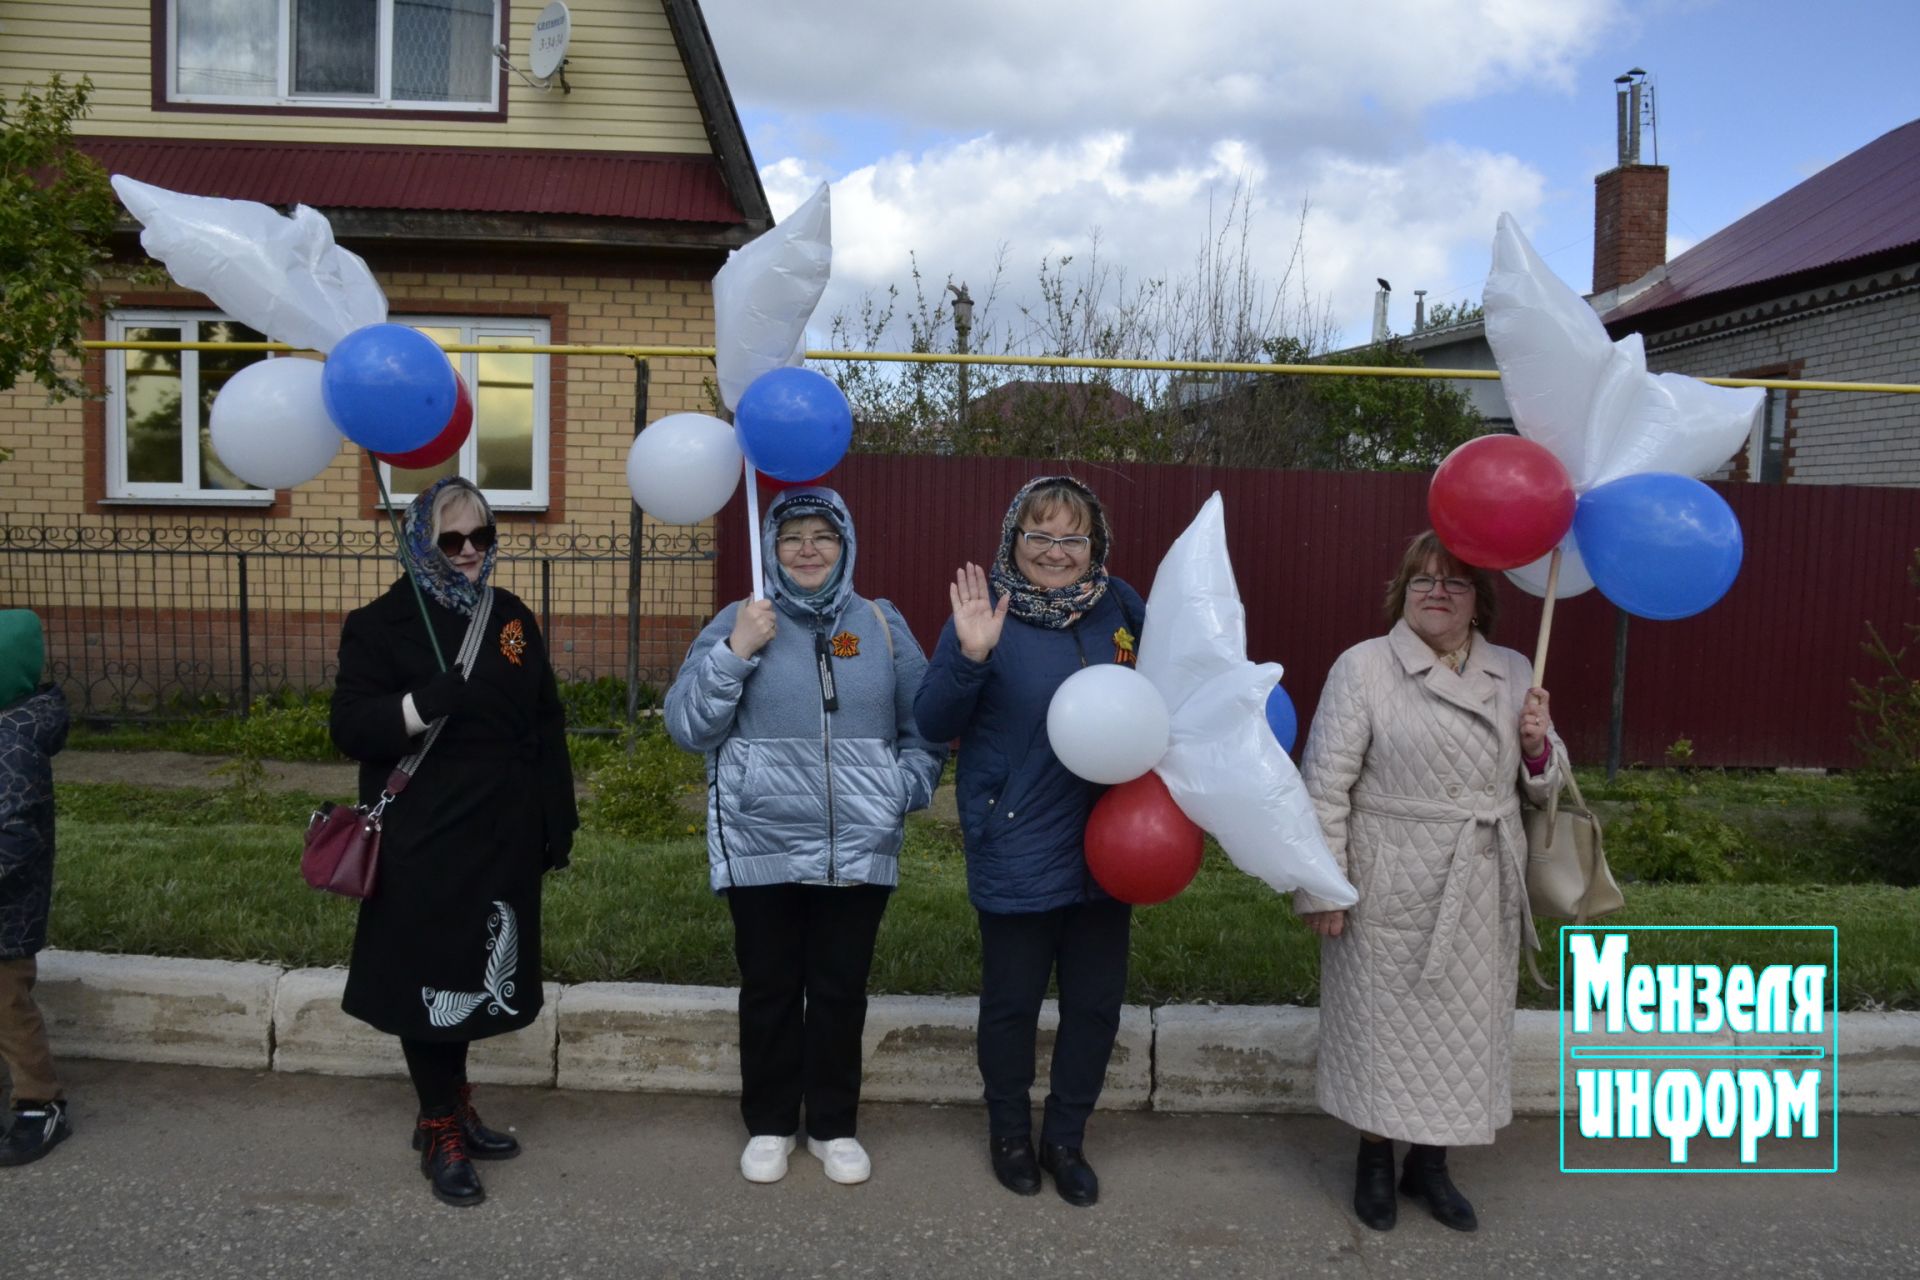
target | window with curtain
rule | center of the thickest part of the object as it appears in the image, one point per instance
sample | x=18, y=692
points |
x=353, y=54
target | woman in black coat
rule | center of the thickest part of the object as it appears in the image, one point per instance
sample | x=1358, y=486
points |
x=448, y=946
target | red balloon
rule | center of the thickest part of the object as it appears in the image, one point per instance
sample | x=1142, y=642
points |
x=1500, y=502
x=1140, y=847
x=773, y=484
x=447, y=443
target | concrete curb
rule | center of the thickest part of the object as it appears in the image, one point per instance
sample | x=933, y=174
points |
x=670, y=1039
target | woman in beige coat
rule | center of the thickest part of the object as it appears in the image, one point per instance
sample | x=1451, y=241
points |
x=1423, y=745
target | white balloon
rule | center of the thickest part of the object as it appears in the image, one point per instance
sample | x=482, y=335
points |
x=1223, y=766
x=270, y=426
x=683, y=468
x=1107, y=723
x=1574, y=580
x=766, y=292
x=280, y=274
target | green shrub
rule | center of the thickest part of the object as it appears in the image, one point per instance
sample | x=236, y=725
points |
x=1889, y=739
x=1664, y=839
x=641, y=791
x=602, y=703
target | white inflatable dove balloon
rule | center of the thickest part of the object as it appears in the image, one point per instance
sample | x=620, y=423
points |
x=1224, y=767
x=281, y=275
x=766, y=293
x=1589, y=399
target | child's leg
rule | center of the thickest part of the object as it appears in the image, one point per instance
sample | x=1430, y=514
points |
x=23, y=1034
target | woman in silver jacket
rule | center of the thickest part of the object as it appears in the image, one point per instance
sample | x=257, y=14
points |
x=803, y=704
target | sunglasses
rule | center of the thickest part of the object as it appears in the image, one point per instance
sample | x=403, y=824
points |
x=481, y=538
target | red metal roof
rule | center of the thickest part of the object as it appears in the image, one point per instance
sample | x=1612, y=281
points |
x=1866, y=203
x=606, y=184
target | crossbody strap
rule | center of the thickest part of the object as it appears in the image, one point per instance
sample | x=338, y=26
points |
x=469, y=652
x=885, y=630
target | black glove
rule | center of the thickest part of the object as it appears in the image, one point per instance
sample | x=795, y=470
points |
x=440, y=696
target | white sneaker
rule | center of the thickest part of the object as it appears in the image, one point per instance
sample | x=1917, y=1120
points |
x=765, y=1159
x=844, y=1158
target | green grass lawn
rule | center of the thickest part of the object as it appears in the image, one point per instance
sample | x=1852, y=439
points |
x=215, y=874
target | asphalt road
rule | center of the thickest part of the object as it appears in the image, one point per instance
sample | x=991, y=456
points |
x=203, y=1173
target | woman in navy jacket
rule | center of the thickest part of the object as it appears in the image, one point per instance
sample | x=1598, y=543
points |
x=1046, y=609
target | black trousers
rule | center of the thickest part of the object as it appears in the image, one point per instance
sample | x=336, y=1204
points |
x=1087, y=944
x=437, y=1068
x=804, y=952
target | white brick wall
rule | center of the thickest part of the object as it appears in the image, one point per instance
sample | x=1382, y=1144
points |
x=1836, y=437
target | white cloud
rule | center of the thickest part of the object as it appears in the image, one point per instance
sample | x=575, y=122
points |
x=1034, y=126
x=1353, y=73
x=1421, y=220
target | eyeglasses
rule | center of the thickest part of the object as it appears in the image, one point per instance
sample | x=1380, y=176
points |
x=450, y=542
x=1424, y=584
x=1039, y=543
x=792, y=542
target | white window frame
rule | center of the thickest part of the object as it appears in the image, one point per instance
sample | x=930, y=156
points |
x=188, y=490
x=476, y=331
x=382, y=99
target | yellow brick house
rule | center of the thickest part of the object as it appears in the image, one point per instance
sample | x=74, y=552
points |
x=492, y=208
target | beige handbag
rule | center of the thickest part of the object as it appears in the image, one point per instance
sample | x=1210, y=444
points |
x=1567, y=875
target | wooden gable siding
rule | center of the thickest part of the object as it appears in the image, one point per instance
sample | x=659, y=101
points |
x=630, y=89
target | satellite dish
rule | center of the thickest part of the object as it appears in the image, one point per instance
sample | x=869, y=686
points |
x=551, y=31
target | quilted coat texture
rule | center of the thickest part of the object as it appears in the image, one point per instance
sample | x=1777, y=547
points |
x=1416, y=775
x=32, y=731
x=797, y=794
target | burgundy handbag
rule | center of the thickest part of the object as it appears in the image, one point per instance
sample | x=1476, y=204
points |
x=343, y=844
x=342, y=853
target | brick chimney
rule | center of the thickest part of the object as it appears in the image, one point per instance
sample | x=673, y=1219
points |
x=1629, y=200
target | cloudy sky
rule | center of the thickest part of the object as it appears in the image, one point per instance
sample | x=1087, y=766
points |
x=960, y=131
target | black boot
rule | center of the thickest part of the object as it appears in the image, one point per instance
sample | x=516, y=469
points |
x=482, y=1143
x=1073, y=1177
x=1014, y=1165
x=1373, y=1185
x=444, y=1160
x=38, y=1127
x=1424, y=1177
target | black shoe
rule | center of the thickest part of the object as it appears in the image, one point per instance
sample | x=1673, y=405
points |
x=444, y=1160
x=38, y=1127
x=1424, y=1177
x=1014, y=1165
x=482, y=1143
x=1373, y=1200
x=1073, y=1177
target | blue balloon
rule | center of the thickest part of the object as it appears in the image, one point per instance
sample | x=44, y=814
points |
x=794, y=424
x=1282, y=718
x=389, y=388
x=1659, y=545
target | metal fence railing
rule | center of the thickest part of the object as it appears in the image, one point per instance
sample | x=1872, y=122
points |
x=167, y=619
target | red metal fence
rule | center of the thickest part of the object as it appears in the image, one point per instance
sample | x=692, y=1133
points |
x=1761, y=679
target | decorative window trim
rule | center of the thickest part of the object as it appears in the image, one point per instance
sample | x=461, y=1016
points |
x=167, y=97
x=121, y=491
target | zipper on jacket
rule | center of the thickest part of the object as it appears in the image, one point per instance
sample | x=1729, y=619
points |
x=829, y=703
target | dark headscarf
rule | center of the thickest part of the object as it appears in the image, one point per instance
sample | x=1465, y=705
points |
x=435, y=573
x=1051, y=607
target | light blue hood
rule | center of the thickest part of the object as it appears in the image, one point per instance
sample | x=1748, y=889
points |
x=838, y=589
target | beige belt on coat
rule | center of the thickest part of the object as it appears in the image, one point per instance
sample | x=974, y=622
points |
x=1472, y=818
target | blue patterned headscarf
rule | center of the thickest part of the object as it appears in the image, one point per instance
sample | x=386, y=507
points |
x=435, y=573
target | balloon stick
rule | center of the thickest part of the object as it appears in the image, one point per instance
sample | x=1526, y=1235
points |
x=1546, y=621
x=753, y=528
